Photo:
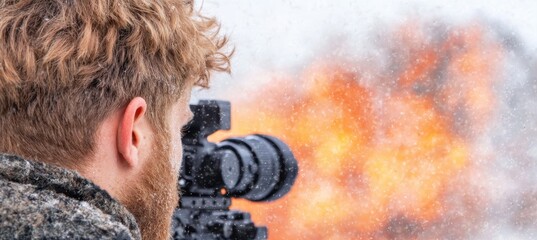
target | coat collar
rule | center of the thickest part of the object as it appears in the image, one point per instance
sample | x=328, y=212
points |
x=66, y=182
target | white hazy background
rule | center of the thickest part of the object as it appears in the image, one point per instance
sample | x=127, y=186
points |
x=286, y=36
x=274, y=36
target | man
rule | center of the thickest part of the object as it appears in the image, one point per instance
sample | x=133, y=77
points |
x=93, y=96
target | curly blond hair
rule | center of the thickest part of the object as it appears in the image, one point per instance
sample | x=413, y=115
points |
x=65, y=65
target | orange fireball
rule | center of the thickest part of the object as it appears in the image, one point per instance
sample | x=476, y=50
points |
x=379, y=149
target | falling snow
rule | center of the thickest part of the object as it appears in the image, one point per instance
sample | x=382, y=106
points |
x=415, y=120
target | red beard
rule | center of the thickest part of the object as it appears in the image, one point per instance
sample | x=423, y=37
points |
x=153, y=198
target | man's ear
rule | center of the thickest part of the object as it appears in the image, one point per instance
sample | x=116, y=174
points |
x=132, y=131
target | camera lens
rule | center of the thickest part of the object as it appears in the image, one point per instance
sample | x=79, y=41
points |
x=256, y=167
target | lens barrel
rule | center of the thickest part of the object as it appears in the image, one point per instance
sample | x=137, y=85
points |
x=256, y=167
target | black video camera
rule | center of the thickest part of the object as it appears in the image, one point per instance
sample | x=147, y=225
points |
x=255, y=167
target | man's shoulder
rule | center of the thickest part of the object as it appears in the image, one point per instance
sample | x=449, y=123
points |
x=28, y=212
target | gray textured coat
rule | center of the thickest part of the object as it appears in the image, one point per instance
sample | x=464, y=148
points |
x=40, y=201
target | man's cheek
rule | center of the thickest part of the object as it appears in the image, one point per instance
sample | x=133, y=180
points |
x=176, y=154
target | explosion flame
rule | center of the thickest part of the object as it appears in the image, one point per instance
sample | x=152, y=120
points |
x=387, y=144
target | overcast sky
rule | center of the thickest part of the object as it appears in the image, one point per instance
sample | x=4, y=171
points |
x=283, y=35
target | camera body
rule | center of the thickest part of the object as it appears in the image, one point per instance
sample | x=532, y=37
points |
x=255, y=167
